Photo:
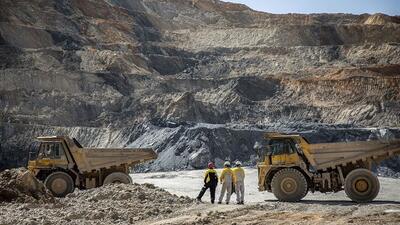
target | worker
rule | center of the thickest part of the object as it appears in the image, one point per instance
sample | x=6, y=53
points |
x=226, y=181
x=210, y=181
x=238, y=174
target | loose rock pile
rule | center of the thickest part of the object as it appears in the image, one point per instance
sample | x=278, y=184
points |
x=128, y=202
x=19, y=185
x=110, y=204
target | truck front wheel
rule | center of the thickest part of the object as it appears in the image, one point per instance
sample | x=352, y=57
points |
x=118, y=177
x=289, y=185
x=361, y=185
x=60, y=184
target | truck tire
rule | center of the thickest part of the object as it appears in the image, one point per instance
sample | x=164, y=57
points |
x=289, y=185
x=117, y=177
x=361, y=185
x=60, y=184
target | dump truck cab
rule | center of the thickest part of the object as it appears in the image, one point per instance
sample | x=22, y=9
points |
x=50, y=153
x=289, y=166
x=63, y=164
x=279, y=151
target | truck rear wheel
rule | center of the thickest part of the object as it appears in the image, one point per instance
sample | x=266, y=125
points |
x=60, y=184
x=361, y=185
x=118, y=177
x=289, y=185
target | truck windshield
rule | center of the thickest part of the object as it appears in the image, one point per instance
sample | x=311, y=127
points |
x=52, y=150
x=279, y=147
x=33, y=150
x=262, y=148
x=276, y=147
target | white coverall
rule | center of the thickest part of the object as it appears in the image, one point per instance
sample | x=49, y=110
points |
x=226, y=179
x=238, y=173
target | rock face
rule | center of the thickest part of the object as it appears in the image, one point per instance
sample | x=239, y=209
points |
x=125, y=72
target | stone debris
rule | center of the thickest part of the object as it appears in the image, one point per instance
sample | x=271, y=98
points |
x=147, y=204
x=110, y=204
x=19, y=185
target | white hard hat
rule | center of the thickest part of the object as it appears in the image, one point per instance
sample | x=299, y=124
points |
x=238, y=163
x=227, y=163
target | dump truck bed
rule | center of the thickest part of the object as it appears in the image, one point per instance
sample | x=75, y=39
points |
x=328, y=155
x=89, y=159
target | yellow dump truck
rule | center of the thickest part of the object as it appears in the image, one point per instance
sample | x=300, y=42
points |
x=290, y=166
x=63, y=164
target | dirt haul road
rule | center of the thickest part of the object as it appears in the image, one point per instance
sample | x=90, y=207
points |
x=147, y=204
x=262, y=208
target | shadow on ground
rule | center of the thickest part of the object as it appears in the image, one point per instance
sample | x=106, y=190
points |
x=340, y=202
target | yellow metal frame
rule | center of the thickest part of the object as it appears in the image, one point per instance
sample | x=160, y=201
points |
x=267, y=166
x=46, y=163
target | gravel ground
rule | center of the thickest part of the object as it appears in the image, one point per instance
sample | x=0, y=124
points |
x=145, y=203
x=306, y=212
x=112, y=204
x=262, y=207
x=188, y=183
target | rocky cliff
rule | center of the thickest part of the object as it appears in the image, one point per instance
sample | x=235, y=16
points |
x=169, y=73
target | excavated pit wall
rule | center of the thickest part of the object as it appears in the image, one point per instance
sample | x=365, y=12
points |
x=130, y=72
x=186, y=146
